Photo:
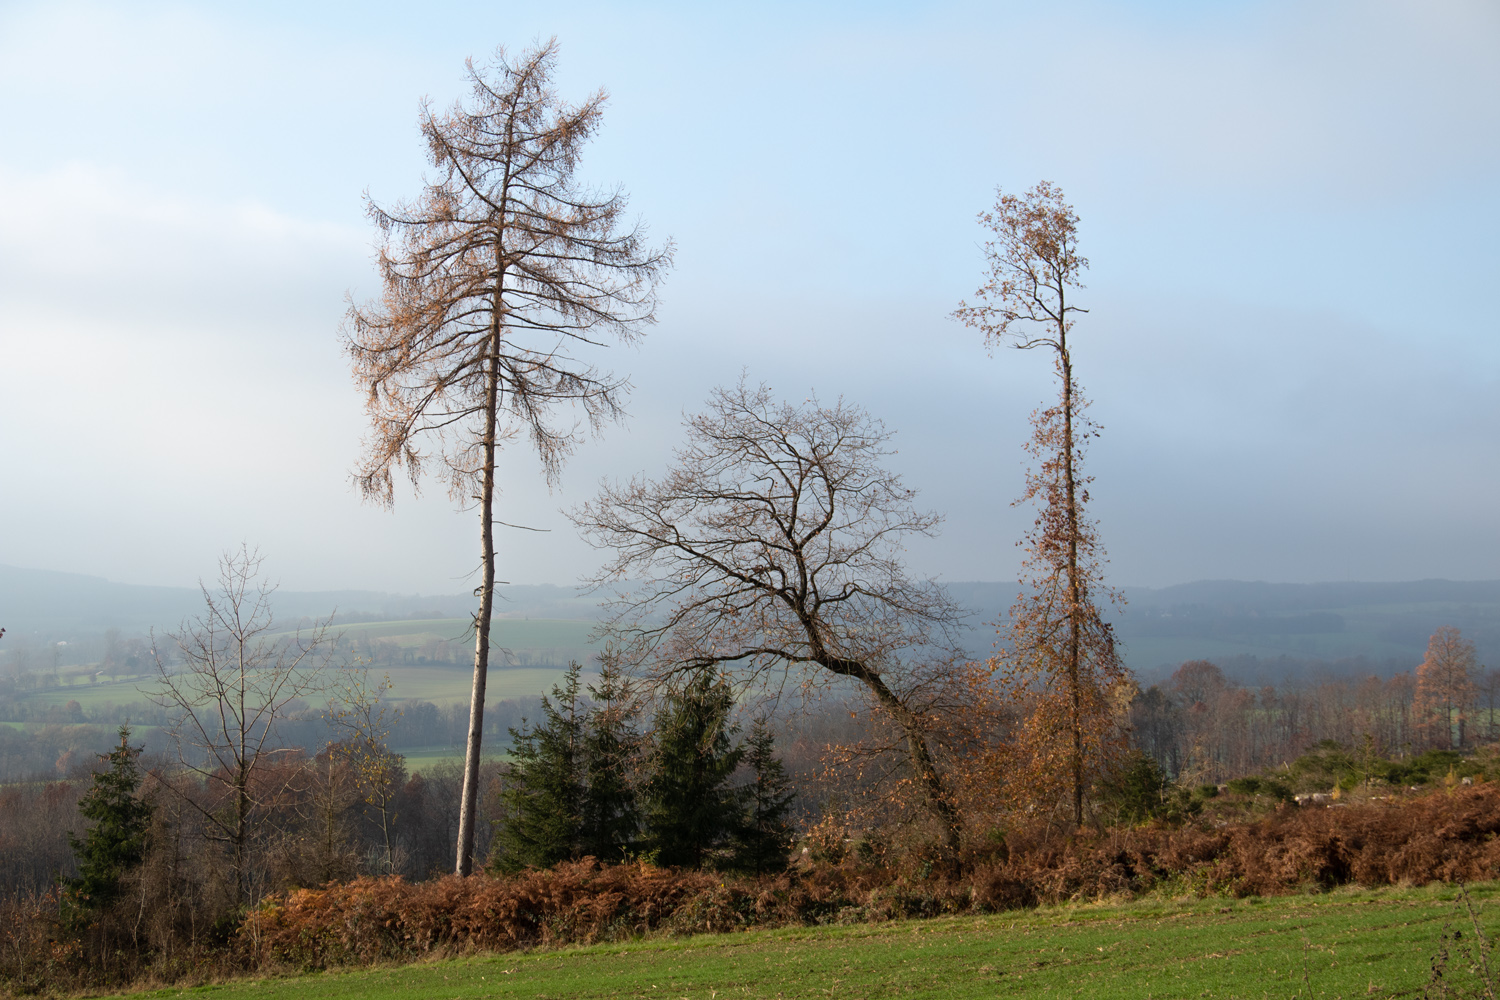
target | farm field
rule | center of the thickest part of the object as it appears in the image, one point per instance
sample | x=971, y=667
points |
x=444, y=685
x=527, y=633
x=538, y=649
x=423, y=758
x=1342, y=944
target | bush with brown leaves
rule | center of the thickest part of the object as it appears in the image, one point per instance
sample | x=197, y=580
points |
x=1448, y=836
x=1440, y=837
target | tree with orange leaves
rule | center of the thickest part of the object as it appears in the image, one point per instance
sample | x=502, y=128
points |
x=1445, y=687
x=1060, y=665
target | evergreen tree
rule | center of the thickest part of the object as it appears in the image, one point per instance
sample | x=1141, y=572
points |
x=116, y=842
x=690, y=810
x=765, y=837
x=610, y=821
x=543, y=793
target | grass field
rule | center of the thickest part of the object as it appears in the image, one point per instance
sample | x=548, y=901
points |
x=437, y=683
x=422, y=758
x=1343, y=944
x=446, y=685
x=532, y=641
x=526, y=633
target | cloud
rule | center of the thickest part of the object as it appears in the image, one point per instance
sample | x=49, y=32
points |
x=1289, y=208
x=85, y=240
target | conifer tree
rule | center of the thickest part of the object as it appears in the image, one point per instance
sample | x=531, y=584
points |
x=610, y=819
x=765, y=836
x=544, y=791
x=690, y=810
x=116, y=842
x=498, y=280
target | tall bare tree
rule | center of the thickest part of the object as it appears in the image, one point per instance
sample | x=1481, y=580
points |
x=1061, y=650
x=494, y=279
x=236, y=680
x=772, y=550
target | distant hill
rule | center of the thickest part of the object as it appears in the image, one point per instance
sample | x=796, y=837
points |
x=1254, y=629
x=1268, y=631
x=43, y=605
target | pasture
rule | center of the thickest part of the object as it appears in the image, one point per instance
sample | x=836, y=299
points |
x=1342, y=944
x=529, y=657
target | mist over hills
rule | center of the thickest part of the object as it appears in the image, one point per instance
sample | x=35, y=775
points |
x=1251, y=628
x=43, y=604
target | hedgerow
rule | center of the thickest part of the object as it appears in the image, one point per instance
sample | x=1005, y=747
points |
x=1445, y=836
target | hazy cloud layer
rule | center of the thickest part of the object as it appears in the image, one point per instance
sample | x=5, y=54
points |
x=1290, y=212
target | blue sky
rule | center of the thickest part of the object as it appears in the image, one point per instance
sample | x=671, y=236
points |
x=1291, y=210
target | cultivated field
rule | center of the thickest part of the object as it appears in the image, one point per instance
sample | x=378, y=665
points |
x=534, y=653
x=1342, y=944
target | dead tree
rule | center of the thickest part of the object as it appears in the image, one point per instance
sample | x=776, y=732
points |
x=772, y=551
x=495, y=278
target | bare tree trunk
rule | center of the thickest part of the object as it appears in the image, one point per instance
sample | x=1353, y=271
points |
x=241, y=832
x=916, y=743
x=469, y=804
x=1075, y=599
x=385, y=830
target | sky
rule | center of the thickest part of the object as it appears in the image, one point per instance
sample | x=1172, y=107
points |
x=1291, y=212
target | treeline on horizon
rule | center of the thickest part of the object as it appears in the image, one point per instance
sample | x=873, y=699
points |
x=1199, y=726
x=1250, y=713
x=41, y=613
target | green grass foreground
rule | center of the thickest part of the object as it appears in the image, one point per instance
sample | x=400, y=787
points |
x=1342, y=944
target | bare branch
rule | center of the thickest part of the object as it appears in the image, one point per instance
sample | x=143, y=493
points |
x=493, y=277
x=772, y=550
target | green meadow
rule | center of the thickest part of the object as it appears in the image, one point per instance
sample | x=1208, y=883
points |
x=525, y=633
x=443, y=685
x=535, y=650
x=1342, y=944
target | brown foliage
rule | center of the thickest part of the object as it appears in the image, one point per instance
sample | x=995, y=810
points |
x=492, y=280
x=1440, y=837
x=375, y=919
x=1060, y=664
x=1445, y=688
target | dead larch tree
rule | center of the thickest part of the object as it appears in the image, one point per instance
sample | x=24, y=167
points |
x=772, y=551
x=1060, y=659
x=495, y=279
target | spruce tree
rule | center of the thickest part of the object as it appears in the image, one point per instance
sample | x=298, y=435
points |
x=116, y=842
x=691, y=813
x=543, y=793
x=610, y=821
x=765, y=837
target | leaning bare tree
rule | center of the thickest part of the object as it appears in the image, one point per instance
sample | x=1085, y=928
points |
x=771, y=550
x=232, y=680
x=1061, y=660
x=494, y=278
